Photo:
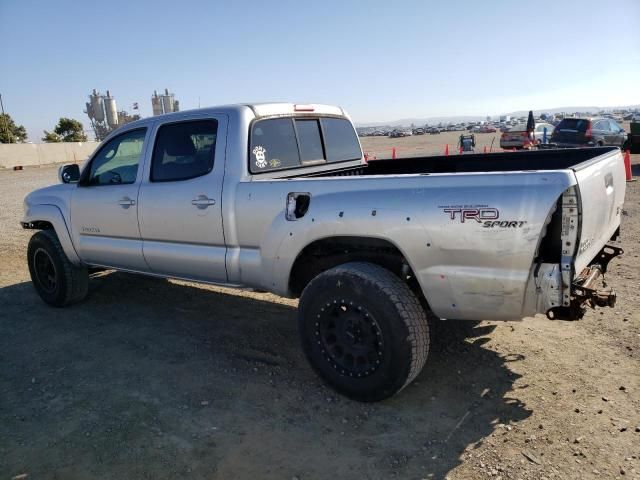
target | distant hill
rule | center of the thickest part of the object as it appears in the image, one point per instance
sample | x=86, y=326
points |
x=405, y=122
x=591, y=109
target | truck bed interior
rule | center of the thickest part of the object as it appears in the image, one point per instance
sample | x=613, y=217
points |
x=547, y=159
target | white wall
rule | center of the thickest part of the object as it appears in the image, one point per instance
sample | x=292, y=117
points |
x=29, y=154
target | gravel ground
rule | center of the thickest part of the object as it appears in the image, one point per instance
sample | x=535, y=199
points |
x=163, y=379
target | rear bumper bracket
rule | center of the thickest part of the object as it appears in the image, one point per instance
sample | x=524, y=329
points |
x=585, y=291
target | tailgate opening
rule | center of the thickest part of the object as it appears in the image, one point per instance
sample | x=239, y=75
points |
x=567, y=240
x=585, y=291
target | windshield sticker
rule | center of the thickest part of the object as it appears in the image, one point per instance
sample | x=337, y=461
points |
x=261, y=156
x=274, y=163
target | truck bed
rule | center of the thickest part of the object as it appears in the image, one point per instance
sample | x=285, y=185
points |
x=551, y=159
x=533, y=194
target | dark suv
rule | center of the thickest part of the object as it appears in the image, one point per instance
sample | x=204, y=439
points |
x=588, y=132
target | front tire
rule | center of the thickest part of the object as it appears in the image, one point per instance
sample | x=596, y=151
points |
x=58, y=282
x=363, y=330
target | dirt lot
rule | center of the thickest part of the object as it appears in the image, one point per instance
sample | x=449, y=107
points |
x=162, y=379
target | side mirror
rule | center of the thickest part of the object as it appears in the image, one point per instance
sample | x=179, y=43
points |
x=69, y=173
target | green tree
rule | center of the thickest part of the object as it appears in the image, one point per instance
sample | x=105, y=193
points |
x=9, y=131
x=51, y=137
x=67, y=130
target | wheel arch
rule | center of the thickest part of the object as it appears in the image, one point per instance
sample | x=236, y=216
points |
x=325, y=253
x=49, y=217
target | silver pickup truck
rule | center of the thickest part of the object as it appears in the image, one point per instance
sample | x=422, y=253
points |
x=278, y=197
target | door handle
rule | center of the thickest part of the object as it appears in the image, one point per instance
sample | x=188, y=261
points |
x=202, y=202
x=126, y=202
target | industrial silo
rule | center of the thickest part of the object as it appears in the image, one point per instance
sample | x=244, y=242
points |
x=97, y=108
x=111, y=110
x=156, y=104
x=167, y=101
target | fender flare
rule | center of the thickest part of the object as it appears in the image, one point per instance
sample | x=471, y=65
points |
x=53, y=215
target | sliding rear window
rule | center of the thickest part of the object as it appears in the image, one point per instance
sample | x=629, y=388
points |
x=310, y=141
x=283, y=143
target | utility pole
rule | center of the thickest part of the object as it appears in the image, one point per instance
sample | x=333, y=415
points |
x=5, y=121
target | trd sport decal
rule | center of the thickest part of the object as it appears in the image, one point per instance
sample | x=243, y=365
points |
x=489, y=217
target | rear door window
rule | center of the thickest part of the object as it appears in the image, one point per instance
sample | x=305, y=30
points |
x=184, y=150
x=601, y=125
x=614, y=126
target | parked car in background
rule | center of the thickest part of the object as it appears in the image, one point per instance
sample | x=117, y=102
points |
x=539, y=134
x=399, y=133
x=588, y=132
x=487, y=129
x=418, y=131
x=434, y=131
x=517, y=137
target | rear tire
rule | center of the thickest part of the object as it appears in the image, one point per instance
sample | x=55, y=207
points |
x=363, y=331
x=58, y=282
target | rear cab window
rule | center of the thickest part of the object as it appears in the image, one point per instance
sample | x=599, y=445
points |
x=310, y=141
x=292, y=142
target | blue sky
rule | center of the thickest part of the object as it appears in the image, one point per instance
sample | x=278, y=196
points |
x=381, y=60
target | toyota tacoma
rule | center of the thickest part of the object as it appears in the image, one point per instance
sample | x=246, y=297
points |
x=279, y=197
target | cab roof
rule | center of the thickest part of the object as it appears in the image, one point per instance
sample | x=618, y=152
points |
x=258, y=109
